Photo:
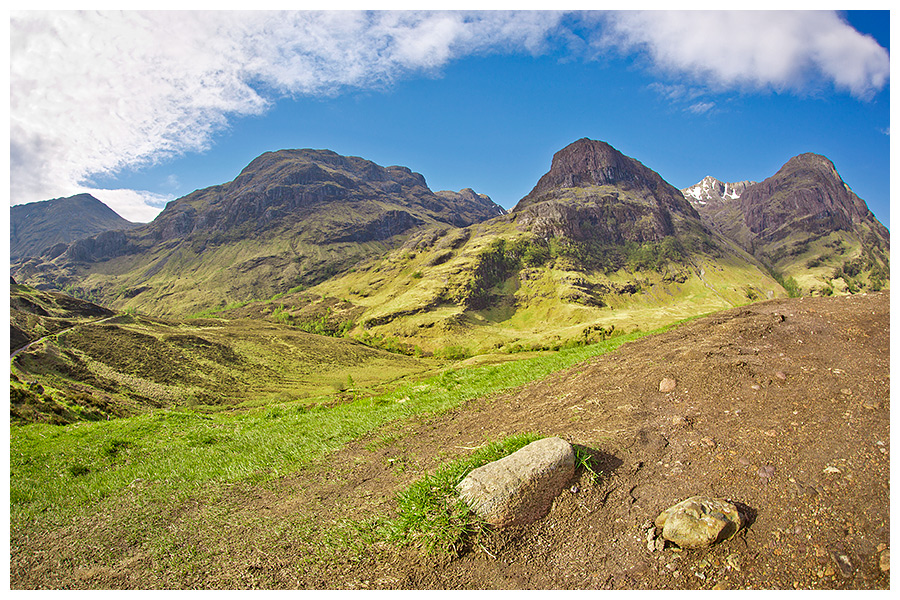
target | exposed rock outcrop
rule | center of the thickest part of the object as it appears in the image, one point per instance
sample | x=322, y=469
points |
x=594, y=192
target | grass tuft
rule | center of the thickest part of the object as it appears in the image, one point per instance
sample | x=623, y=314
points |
x=431, y=515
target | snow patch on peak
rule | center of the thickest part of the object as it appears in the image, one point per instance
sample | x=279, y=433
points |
x=712, y=191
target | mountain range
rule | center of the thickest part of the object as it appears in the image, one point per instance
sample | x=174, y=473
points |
x=601, y=244
x=804, y=223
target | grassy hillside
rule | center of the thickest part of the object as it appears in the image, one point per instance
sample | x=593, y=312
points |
x=57, y=472
x=34, y=314
x=495, y=288
x=131, y=365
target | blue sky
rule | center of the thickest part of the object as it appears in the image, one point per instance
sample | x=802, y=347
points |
x=480, y=101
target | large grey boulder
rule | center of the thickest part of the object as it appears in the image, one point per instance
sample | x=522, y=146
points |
x=519, y=489
x=699, y=521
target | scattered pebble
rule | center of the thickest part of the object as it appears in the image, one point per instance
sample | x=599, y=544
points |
x=846, y=392
x=744, y=461
x=667, y=385
x=766, y=471
x=780, y=375
x=884, y=561
x=733, y=561
x=830, y=469
x=843, y=563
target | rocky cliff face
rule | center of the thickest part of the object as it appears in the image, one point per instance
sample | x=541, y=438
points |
x=806, y=193
x=37, y=226
x=594, y=192
x=804, y=221
x=359, y=200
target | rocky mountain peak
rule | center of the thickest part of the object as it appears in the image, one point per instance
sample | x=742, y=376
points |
x=587, y=163
x=711, y=190
x=594, y=192
x=36, y=226
x=808, y=188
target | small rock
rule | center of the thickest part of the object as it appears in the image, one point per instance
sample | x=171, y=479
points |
x=754, y=386
x=843, y=563
x=744, y=461
x=884, y=561
x=780, y=375
x=651, y=539
x=846, y=392
x=722, y=585
x=766, y=471
x=667, y=385
x=699, y=521
x=733, y=561
x=830, y=469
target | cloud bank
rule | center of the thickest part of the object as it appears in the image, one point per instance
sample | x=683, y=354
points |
x=93, y=93
x=787, y=51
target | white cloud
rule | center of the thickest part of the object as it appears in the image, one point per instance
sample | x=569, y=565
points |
x=135, y=205
x=92, y=93
x=780, y=50
x=699, y=108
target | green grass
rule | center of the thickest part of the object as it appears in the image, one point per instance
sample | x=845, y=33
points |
x=431, y=515
x=55, y=471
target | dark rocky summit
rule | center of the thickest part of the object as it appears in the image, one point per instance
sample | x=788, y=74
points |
x=803, y=217
x=37, y=226
x=806, y=193
x=594, y=192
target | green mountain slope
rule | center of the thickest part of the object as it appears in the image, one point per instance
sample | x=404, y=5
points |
x=603, y=245
x=83, y=368
x=291, y=218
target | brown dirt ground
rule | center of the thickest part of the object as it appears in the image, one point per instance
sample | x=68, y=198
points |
x=799, y=385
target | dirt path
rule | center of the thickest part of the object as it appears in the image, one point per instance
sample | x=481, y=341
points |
x=782, y=406
x=15, y=353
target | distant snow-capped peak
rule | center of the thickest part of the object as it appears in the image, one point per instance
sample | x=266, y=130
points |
x=711, y=190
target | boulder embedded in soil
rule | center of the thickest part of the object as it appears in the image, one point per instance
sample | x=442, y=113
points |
x=667, y=385
x=520, y=488
x=699, y=522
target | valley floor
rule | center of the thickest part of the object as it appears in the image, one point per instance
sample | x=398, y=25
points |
x=782, y=406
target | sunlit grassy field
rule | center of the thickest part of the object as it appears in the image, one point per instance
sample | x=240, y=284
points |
x=59, y=471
